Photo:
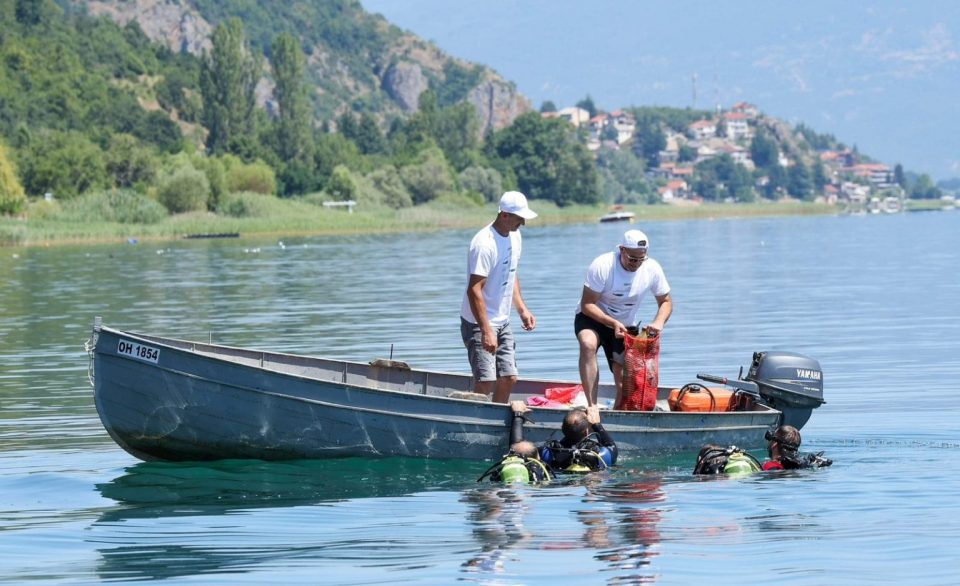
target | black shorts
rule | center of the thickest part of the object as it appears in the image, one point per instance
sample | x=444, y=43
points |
x=612, y=346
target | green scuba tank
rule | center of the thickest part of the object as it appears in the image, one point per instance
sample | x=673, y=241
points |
x=740, y=463
x=513, y=469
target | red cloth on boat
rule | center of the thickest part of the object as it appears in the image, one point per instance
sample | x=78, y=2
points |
x=559, y=397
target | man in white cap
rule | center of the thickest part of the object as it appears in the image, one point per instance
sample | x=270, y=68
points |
x=616, y=283
x=492, y=289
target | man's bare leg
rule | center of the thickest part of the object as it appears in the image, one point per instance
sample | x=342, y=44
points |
x=504, y=388
x=589, y=373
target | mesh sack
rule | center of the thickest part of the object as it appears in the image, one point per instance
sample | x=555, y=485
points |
x=641, y=373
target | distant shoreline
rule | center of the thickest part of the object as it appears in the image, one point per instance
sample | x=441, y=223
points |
x=304, y=220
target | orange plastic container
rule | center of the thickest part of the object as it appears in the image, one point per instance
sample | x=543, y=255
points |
x=698, y=398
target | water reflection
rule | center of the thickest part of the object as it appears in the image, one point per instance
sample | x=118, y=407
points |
x=173, y=519
x=159, y=489
x=636, y=515
x=496, y=514
x=619, y=513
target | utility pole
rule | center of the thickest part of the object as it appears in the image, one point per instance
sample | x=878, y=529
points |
x=694, y=91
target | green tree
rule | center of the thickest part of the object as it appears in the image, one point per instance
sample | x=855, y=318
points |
x=429, y=178
x=799, y=183
x=456, y=130
x=548, y=106
x=686, y=153
x=228, y=77
x=776, y=182
x=820, y=178
x=722, y=128
x=30, y=12
x=12, y=198
x=342, y=185
x=255, y=177
x=368, y=136
x=294, y=135
x=128, y=162
x=393, y=192
x=648, y=140
x=588, y=105
x=547, y=160
x=63, y=163
x=720, y=178
x=184, y=190
x=623, y=176
x=332, y=150
x=924, y=188
x=764, y=151
x=899, y=176
x=484, y=180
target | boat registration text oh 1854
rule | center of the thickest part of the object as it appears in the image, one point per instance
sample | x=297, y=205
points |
x=138, y=351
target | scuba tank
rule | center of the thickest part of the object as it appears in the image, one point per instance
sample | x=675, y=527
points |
x=516, y=468
x=730, y=460
x=740, y=463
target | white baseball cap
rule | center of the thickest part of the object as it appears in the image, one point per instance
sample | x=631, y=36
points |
x=635, y=239
x=514, y=202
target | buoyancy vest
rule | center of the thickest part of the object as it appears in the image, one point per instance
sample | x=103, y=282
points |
x=587, y=455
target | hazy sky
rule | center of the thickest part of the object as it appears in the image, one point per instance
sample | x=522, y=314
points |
x=882, y=75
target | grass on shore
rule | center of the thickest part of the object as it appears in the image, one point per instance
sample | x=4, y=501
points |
x=274, y=216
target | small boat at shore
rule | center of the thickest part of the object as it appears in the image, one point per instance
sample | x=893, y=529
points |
x=162, y=398
x=618, y=217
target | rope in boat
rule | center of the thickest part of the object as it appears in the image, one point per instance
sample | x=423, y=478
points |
x=89, y=347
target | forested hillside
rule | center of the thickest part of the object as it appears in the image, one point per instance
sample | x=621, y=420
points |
x=88, y=105
x=129, y=111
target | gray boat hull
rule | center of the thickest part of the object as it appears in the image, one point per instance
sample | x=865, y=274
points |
x=167, y=399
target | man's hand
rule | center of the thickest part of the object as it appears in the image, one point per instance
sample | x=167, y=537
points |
x=529, y=322
x=489, y=340
x=519, y=407
x=619, y=330
x=593, y=414
x=653, y=329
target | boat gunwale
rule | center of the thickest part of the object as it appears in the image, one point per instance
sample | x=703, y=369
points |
x=758, y=408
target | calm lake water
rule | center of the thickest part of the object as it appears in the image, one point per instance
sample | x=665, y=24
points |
x=876, y=299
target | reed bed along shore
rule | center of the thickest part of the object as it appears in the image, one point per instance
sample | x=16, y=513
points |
x=277, y=217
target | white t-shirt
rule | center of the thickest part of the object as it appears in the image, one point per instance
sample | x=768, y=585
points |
x=620, y=290
x=495, y=257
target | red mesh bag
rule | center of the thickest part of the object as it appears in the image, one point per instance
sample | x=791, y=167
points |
x=641, y=372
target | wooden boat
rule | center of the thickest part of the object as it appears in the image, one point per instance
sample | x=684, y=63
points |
x=168, y=399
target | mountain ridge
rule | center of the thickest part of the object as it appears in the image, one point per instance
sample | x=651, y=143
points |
x=386, y=83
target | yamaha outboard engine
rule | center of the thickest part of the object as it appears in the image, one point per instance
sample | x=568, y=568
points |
x=790, y=383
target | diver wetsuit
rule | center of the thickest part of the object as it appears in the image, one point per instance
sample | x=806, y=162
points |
x=560, y=455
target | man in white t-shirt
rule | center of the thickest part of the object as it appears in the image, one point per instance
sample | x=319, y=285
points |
x=492, y=289
x=616, y=283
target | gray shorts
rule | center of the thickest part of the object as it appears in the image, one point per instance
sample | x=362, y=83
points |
x=487, y=367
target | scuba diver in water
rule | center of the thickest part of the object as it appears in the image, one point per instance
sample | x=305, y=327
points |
x=782, y=447
x=585, y=447
x=732, y=460
x=522, y=463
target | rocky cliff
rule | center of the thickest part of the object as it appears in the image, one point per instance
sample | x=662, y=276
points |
x=387, y=80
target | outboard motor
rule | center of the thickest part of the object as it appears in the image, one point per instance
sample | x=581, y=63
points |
x=790, y=383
